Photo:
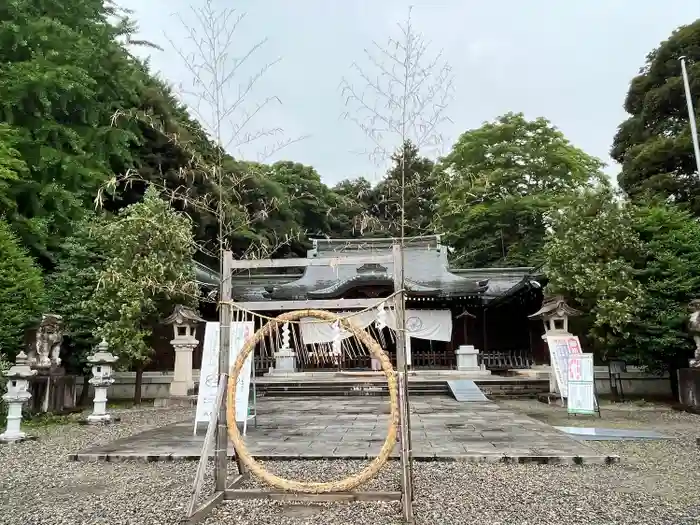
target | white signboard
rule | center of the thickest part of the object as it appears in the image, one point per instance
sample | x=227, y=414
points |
x=581, y=384
x=209, y=371
x=560, y=347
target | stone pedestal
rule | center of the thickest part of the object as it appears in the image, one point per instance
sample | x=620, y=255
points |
x=101, y=380
x=182, y=384
x=689, y=388
x=17, y=394
x=467, y=359
x=285, y=361
x=99, y=411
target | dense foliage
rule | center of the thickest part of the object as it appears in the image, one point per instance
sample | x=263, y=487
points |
x=653, y=144
x=21, y=292
x=147, y=271
x=71, y=287
x=634, y=268
x=498, y=184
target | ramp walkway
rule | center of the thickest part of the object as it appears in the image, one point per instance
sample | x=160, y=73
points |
x=465, y=390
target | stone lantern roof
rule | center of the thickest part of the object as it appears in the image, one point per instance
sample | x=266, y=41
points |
x=555, y=306
x=21, y=369
x=103, y=356
x=183, y=314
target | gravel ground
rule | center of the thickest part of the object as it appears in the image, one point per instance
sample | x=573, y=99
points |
x=656, y=483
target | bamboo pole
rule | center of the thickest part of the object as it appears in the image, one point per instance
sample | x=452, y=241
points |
x=400, y=311
x=220, y=473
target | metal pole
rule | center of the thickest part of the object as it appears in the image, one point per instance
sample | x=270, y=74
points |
x=691, y=115
x=224, y=349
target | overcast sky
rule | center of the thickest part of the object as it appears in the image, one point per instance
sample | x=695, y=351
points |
x=570, y=62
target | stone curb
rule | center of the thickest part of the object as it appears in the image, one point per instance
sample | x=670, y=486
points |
x=464, y=458
x=111, y=421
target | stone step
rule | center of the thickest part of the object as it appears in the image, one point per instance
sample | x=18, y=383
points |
x=493, y=389
x=359, y=390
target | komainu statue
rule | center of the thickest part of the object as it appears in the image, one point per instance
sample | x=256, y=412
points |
x=49, y=337
x=694, y=329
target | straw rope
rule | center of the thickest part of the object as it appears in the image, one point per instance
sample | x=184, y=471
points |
x=348, y=483
x=384, y=300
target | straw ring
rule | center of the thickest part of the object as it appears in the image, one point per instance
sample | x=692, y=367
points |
x=342, y=485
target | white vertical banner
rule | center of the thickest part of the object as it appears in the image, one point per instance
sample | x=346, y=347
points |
x=209, y=371
x=560, y=347
x=581, y=384
x=208, y=374
x=239, y=333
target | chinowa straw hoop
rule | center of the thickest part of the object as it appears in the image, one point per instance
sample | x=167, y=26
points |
x=342, y=485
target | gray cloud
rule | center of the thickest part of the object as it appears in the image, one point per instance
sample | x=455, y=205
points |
x=568, y=61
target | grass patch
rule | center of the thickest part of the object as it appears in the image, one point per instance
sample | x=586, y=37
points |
x=49, y=420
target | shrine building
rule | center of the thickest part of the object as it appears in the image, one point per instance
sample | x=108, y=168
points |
x=446, y=308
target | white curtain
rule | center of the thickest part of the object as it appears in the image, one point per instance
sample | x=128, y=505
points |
x=435, y=325
x=313, y=332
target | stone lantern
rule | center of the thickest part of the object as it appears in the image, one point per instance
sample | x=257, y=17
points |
x=17, y=394
x=102, y=362
x=184, y=321
x=555, y=314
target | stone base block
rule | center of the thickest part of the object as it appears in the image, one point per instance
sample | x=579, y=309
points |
x=285, y=361
x=18, y=439
x=689, y=387
x=100, y=421
x=176, y=401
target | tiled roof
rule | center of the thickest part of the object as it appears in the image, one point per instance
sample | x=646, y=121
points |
x=426, y=273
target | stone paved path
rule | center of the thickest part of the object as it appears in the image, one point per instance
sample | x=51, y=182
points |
x=355, y=428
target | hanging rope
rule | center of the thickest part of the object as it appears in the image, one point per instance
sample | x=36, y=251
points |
x=273, y=480
x=382, y=301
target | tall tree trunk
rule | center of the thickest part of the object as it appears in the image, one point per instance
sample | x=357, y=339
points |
x=137, y=386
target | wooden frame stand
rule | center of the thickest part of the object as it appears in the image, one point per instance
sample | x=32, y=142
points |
x=217, y=431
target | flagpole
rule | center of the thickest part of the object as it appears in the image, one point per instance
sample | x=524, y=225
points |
x=691, y=114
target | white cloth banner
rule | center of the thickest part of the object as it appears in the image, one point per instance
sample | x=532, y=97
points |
x=313, y=332
x=209, y=371
x=435, y=325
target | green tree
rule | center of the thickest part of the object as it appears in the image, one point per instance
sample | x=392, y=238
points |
x=592, y=251
x=21, y=292
x=310, y=202
x=669, y=271
x=63, y=74
x=71, y=288
x=358, y=206
x=498, y=184
x=653, y=144
x=148, y=269
x=414, y=174
x=634, y=268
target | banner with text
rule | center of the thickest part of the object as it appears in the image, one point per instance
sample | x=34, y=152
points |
x=581, y=384
x=209, y=371
x=560, y=347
